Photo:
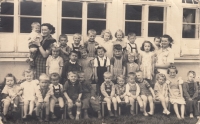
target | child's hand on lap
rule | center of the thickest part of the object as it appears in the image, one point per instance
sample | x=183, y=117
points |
x=93, y=97
x=69, y=101
x=78, y=100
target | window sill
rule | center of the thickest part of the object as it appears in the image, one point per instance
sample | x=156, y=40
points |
x=187, y=59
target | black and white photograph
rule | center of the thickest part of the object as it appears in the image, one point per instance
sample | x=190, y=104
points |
x=100, y=61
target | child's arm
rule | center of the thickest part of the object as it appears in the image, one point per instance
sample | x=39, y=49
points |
x=103, y=90
x=140, y=60
x=111, y=70
x=152, y=63
x=48, y=95
x=124, y=67
x=137, y=91
x=127, y=90
x=61, y=66
x=65, y=51
x=112, y=94
x=196, y=91
x=65, y=93
x=181, y=89
x=47, y=66
x=38, y=94
x=79, y=97
x=152, y=92
x=185, y=92
x=95, y=74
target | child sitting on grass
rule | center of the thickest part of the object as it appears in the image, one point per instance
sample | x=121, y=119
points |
x=57, y=97
x=73, y=92
x=108, y=93
x=88, y=96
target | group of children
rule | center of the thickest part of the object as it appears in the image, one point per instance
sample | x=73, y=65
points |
x=121, y=74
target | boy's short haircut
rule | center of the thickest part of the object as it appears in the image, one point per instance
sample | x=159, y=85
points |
x=120, y=77
x=54, y=75
x=160, y=75
x=107, y=74
x=192, y=72
x=117, y=47
x=81, y=72
x=132, y=55
x=106, y=31
x=100, y=47
x=92, y=31
x=131, y=34
x=77, y=34
x=29, y=71
x=73, y=72
x=157, y=37
x=55, y=46
x=119, y=30
x=138, y=71
x=35, y=24
x=63, y=36
x=131, y=74
x=74, y=51
x=44, y=76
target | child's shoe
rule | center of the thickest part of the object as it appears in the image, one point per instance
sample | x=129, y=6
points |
x=77, y=116
x=132, y=112
x=71, y=116
x=39, y=119
x=110, y=113
x=99, y=115
x=128, y=104
x=116, y=113
x=142, y=109
x=53, y=116
x=61, y=110
x=14, y=109
x=191, y=115
x=4, y=118
x=86, y=114
x=46, y=118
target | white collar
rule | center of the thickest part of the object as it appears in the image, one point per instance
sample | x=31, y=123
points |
x=104, y=58
x=72, y=62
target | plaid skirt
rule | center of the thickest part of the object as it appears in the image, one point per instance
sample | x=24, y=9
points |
x=40, y=63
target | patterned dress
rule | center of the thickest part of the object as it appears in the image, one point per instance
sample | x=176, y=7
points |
x=91, y=47
x=120, y=90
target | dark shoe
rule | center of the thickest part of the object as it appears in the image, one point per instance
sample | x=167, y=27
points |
x=46, y=118
x=86, y=115
x=4, y=118
x=39, y=119
x=99, y=115
x=15, y=109
x=132, y=112
x=77, y=117
x=116, y=114
x=61, y=110
x=71, y=116
x=53, y=116
x=111, y=114
x=142, y=109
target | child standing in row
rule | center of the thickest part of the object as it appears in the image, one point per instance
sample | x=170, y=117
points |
x=76, y=45
x=64, y=48
x=157, y=42
x=106, y=43
x=54, y=62
x=88, y=96
x=108, y=93
x=119, y=35
x=131, y=66
x=131, y=47
x=91, y=44
x=175, y=91
x=73, y=92
x=146, y=93
x=101, y=65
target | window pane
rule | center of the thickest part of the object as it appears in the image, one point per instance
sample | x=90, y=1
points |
x=189, y=31
x=156, y=13
x=25, y=24
x=71, y=9
x=6, y=24
x=30, y=8
x=133, y=27
x=96, y=10
x=7, y=8
x=133, y=12
x=155, y=29
x=98, y=26
x=189, y=15
x=189, y=1
x=70, y=26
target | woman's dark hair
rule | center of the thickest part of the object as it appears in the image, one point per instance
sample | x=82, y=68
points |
x=100, y=47
x=151, y=45
x=50, y=27
x=169, y=38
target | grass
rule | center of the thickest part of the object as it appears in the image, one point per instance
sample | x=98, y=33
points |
x=124, y=119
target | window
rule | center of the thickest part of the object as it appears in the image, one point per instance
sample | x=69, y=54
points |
x=72, y=20
x=190, y=1
x=7, y=16
x=29, y=12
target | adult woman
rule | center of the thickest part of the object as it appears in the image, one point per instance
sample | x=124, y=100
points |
x=165, y=55
x=44, y=48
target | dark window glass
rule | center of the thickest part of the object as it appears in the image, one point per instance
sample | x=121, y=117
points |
x=189, y=15
x=96, y=10
x=188, y=31
x=70, y=26
x=195, y=2
x=189, y=1
x=98, y=26
x=30, y=8
x=160, y=0
x=7, y=8
x=25, y=24
x=156, y=13
x=71, y=9
x=133, y=12
x=133, y=27
x=6, y=24
x=155, y=29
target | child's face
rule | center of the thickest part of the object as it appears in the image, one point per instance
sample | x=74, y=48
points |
x=72, y=77
x=132, y=39
x=81, y=77
x=117, y=53
x=157, y=42
x=77, y=39
x=120, y=81
x=131, y=59
x=63, y=41
x=73, y=57
x=191, y=77
x=44, y=83
x=84, y=54
x=29, y=76
x=161, y=80
x=119, y=36
x=55, y=53
x=172, y=73
x=100, y=53
x=165, y=42
x=139, y=76
x=147, y=47
x=106, y=37
x=107, y=79
x=10, y=81
x=36, y=29
x=131, y=79
x=91, y=37
x=54, y=80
